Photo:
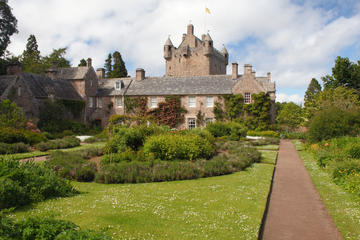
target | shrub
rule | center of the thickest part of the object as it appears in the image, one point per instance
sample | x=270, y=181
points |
x=353, y=150
x=268, y=133
x=219, y=129
x=293, y=135
x=125, y=137
x=23, y=183
x=330, y=123
x=66, y=142
x=237, y=131
x=127, y=156
x=347, y=175
x=72, y=166
x=12, y=135
x=13, y=148
x=34, y=137
x=178, y=147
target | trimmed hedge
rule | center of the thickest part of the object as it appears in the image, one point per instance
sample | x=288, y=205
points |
x=235, y=131
x=12, y=135
x=268, y=133
x=24, y=183
x=66, y=142
x=13, y=148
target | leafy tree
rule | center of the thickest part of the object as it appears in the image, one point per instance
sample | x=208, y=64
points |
x=119, y=69
x=8, y=25
x=82, y=63
x=51, y=116
x=312, y=91
x=345, y=73
x=290, y=116
x=258, y=113
x=57, y=58
x=31, y=59
x=108, y=65
x=11, y=115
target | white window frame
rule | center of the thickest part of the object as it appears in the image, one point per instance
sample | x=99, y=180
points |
x=247, y=98
x=99, y=102
x=153, y=102
x=118, y=99
x=209, y=101
x=91, y=102
x=191, y=122
x=192, y=101
x=118, y=85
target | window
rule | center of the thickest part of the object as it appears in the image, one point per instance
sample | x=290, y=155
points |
x=153, y=102
x=209, y=120
x=99, y=102
x=247, y=98
x=91, y=102
x=209, y=102
x=192, y=101
x=19, y=91
x=191, y=123
x=117, y=85
x=118, y=102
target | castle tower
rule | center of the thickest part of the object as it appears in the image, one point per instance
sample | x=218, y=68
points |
x=194, y=57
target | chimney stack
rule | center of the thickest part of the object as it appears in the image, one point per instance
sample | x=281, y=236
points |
x=247, y=69
x=234, y=70
x=269, y=76
x=190, y=29
x=100, y=73
x=140, y=74
x=89, y=62
x=253, y=73
x=13, y=69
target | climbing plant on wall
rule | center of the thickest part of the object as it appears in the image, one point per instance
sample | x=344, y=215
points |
x=258, y=113
x=136, y=105
x=230, y=109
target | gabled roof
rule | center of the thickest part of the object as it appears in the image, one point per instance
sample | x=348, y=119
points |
x=5, y=81
x=107, y=87
x=189, y=85
x=72, y=73
x=42, y=87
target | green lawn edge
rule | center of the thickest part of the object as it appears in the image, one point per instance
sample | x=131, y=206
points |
x=343, y=207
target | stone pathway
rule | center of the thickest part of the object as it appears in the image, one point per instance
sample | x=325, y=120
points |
x=295, y=208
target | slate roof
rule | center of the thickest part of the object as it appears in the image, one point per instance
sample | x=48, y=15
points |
x=72, y=73
x=266, y=84
x=41, y=87
x=189, y=85
x=107, y=87
x=5, y=81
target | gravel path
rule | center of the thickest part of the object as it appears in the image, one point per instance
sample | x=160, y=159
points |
x=295, y=208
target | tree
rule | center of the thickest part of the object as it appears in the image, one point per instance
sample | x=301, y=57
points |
x=290, y=116
x=11, y=115
x=31, y=58
x=312, y=91
x=82, y=63
x=8, y=25
x=119, y=69
x=57, y=58
x=108, y=65
x=345, y=73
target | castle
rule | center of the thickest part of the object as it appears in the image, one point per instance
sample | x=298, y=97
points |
x=195, y=72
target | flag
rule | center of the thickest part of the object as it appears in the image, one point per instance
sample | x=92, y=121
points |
x=207, y=10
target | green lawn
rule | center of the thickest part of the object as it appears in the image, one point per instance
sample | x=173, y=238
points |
x=18, y=156
x=224, y=207
x=343, y=207
x=268, y=147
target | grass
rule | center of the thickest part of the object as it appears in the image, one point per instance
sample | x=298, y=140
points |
x=224, y=207
x=19, y=156
x=268, y=147
x=342, y=206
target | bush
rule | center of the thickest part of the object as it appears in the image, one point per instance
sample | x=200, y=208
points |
x=45, y=227
x=347, y=175
x=237, y=131
x=72, y=166
x=268, y=133
x=219, y=129
x=66, y=142
x=127, y=156
x=292, y=135
x=330, y=123
x=13, y=148
x=178, y=147
x=353, y=150
x=23, y=183
x=12, y=135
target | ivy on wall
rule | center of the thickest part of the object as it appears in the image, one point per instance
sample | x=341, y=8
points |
x=200, y=118
x=76, y=107
x=232, y=108
x=136, y=105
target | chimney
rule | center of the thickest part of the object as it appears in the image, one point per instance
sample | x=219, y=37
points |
x=140, y=74
x=247, y=69
x=88, y=62
x=234, y=70
x=184, y=36
x=253, y=73
x=100, y=73
x=203, y=37
x=13, y=69
x=190, y=29
x=269, y=76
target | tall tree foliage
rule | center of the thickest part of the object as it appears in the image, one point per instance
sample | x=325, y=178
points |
x=115, y=66
x=345, y=73
x=82, y=63
x=290, y=116
x=11, y=115
x=8, y=25
x=57, y=58
x=312, y=91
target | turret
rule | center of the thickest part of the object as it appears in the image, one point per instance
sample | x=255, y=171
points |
x=167, y=49
x=208, y=45
x=226, y=55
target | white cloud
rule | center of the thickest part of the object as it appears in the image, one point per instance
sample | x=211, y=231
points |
x=295, y=98
x=293, y=42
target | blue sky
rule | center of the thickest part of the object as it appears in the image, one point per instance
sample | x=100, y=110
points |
x=295, y=40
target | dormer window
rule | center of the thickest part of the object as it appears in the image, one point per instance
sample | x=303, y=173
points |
x=118, y=85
